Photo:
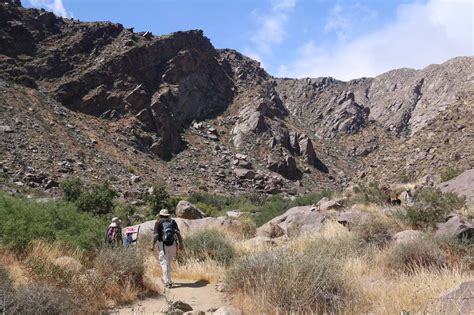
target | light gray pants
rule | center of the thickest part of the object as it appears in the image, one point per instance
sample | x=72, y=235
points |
x=166, y=255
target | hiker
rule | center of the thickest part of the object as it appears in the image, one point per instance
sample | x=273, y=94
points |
x=167, y=234
x=113, y=236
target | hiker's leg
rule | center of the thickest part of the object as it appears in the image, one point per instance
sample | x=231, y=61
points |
x=171, y=254
x=163, y=262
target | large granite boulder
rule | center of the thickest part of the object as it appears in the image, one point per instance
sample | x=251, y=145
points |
x=457, y=227
x=187, y=210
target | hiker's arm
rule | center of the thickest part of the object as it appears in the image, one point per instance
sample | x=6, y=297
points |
x=155, y=235
x=180, y=239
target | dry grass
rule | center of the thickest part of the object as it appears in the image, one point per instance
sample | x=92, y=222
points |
x=373, y=289
x=414, y=293
x=17, y=272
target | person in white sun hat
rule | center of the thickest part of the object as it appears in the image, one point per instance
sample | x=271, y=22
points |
x=168, y=236
x=113, y=236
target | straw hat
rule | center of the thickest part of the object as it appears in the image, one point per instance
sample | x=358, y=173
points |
x=164, y=213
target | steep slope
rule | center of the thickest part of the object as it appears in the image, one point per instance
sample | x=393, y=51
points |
x=98, y=100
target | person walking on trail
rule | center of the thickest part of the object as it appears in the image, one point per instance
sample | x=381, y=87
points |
x=113, y=236
x=168, y=236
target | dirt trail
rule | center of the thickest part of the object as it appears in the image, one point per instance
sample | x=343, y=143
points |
x=201, y=295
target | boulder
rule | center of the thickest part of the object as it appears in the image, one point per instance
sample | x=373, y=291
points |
x=270, y=230
x=284, y=166
x=180, y=305
x=228, y=310
x=407, y=236
x=293, y=222
x=195, y=313
x=329, y=205
x=462, y=185
x=187, y=210
x=244, y=173
x=457, y=227
x=352, y=217
x=68, y=264
x=189, y=226
x=458, y=300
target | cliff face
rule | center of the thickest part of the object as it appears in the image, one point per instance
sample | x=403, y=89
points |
x=99, y=100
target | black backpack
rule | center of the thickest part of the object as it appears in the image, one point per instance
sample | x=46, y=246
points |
x=169, y=232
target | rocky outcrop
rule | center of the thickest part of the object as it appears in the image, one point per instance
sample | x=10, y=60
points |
x=98, y=99
x=69, y=264
x=462, y=185
x=187, y=210
x=457, y=227
x=295, y=221
x=458, y=300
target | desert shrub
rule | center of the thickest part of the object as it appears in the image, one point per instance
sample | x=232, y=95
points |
x=99, y=199
x=208, y=209
x=459, y=252
x=377, y=232
x=449, y=173
x=310, y=198
x=208, y=245
x=42, y=298
x=24, y=220
x=431, y=206
x=72, y=188
x=409, y=256
x=125, y=210
x=120, y=265
x=371, y=193
x=6, y=288
x=290, y=282
x=273, y=207
x=158, y=199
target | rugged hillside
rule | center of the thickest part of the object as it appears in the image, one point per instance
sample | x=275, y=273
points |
x=98, y=100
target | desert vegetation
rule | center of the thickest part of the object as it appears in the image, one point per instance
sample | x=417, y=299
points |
x=52, y=254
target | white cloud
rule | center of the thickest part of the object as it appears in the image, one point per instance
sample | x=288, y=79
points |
x=55, y=6
x=422, y=33
x=271, y=27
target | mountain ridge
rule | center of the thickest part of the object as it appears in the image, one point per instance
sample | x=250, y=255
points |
x=138, y=109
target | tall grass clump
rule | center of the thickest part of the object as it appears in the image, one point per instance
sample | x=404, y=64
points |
x=291, y=282
x=208, y=245
x=120, y=265
x=431, y=206
x=43, y=298
x=25, y=220
x=377, y=232
x=410, y=256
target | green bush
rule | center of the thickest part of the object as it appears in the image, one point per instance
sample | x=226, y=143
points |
x=72, y=188
x=310, y=198
x=421, y=253
x=371, y=193
x=273, y=207
x=42, y=298
x=431, y=206
x=158, y=199
x=291, y=282
x=25, y=220
x=99, y=199
x=120, y=265
x=449, y=173
x=208, y=244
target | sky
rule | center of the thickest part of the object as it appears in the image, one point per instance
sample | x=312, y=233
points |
x=344, y=39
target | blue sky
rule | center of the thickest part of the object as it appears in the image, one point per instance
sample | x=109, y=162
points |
x=303, y=38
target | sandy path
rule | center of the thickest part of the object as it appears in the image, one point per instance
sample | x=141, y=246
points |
x=201, y=295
